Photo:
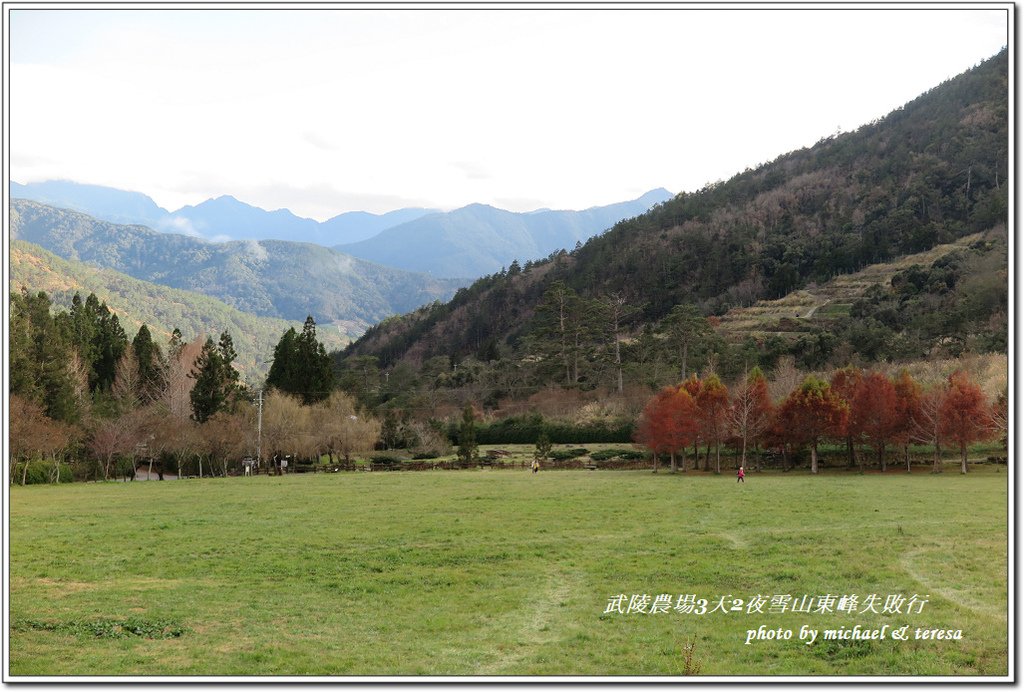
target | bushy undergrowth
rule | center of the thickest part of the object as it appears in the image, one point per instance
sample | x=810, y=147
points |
x=42, y=472
x=561, y=454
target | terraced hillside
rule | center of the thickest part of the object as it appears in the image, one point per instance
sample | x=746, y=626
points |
x=816, y=304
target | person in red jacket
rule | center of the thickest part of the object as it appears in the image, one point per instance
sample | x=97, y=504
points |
x=740, y=475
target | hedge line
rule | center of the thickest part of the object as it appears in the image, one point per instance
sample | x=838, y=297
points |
x=526, y=429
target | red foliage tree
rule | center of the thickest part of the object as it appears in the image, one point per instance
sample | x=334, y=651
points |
x=844, y=382
x=693, y=387
x=964, y=415
x=668, y=424
x=810, y=414
x=873, y=413
x=713, y=411
x=908, y=411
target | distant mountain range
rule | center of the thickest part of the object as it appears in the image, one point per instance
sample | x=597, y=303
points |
x=467, y=242
x=270, y=278
x=221, y=219
x=480, y=239
x=226, y=218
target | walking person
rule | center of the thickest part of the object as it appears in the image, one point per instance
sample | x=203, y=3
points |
x=740, y=475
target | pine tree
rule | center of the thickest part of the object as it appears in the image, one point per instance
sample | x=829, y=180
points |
x=22, y=381
x=111, y=342
x=151, y=365
x=316, y=371
x=687, y=329
x=567, y=328
x=301, y=365
x=80, y=326
x=216, y=379
x=282, y=373
x=226, y=349
x=41, y=359
x=207, y=394
x=54, y=374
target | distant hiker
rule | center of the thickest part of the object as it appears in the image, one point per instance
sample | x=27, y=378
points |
x=740, y=475
x=535, y=465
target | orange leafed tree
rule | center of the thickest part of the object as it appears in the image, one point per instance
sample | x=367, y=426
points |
x=908, y=411
x=668, y=424
x=694, y=387
x=713, y=412
x=812, y=413
x=873, y=413
x=844, y=382
x=964, y=415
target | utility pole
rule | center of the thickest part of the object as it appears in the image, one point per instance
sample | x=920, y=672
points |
x=259, y=432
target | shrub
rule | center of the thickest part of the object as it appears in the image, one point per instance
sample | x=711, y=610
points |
x=563, y=454
x=41, y=472
x=385, y=459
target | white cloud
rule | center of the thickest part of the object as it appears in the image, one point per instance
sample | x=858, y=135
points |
x=319, y=110
x=178, y=224
x=254, y=252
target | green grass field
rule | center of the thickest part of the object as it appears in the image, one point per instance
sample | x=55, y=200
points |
x=502, y=573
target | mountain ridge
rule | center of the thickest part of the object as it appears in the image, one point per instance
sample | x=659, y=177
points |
x=478, y=238
x=226, y=218
x=270, y=278
x=930, y=172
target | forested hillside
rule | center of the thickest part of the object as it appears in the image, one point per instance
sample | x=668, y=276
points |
x=162, y=309
x=929, y=173
x=270, y=278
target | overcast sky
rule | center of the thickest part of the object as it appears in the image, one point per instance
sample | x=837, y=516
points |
x=326, y=111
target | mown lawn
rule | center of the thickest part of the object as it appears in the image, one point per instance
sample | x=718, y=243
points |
x=501, y=573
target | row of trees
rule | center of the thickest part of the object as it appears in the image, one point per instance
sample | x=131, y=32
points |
x=854, y=407
x=184, y=407
x=82, y=393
